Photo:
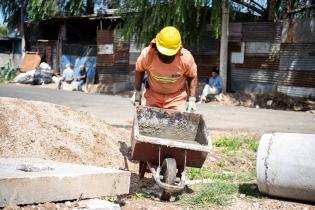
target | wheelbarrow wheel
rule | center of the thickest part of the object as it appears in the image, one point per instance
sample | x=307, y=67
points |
x=168, y=171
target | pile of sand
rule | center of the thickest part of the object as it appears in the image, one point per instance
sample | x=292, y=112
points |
x=49, y=131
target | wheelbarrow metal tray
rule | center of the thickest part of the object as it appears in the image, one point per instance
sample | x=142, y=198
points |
x=172, y=133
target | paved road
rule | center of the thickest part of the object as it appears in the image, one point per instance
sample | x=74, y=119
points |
x=117, y=111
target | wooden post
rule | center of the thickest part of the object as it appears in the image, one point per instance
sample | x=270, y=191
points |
x=22, y=30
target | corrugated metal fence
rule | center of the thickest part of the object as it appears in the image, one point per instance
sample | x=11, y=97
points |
x=271, y=66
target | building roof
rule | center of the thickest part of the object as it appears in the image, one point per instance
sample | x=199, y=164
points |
x=108, y=14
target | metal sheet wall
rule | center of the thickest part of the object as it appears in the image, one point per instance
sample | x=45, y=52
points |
x=47, y=51
x=112, y=67
x=273, y=66
x=297, y=57
x=261, y=32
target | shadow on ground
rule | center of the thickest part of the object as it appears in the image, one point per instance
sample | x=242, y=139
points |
x=250, y=189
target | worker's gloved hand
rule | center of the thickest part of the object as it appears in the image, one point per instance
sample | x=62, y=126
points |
x=191, y=104
x=136, y=98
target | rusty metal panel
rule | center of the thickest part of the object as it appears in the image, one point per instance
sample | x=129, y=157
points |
x=262, y=48
x=281, y=77
x=205, y=64
x=261, y=32
x=47, y=50
x=252, y=87
x=109, y=78
x=118, y=68
x=296, y=91
x=210, y=46
x=133, y=57
x=299, y=31
x=104, y=37
x=235, y=32
x=259, y=62
x=297, y=57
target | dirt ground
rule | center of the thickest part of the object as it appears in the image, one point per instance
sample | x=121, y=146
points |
x=48, y=131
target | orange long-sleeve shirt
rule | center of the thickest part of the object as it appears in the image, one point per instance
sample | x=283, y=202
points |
x=167, y=81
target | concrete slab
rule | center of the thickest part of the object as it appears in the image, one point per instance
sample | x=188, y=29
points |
x=27, y=181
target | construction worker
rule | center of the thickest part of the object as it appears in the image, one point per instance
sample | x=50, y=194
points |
x=169, y=68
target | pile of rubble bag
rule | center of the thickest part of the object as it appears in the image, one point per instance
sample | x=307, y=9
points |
x=41, y=75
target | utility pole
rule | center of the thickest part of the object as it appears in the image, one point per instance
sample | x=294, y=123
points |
x=224, y=43
x=22, y=30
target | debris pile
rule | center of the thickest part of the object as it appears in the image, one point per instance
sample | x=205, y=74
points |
x=41, y=75
x=277, y=101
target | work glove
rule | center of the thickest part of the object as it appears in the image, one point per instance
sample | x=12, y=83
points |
x=191, y=104
x=136, y=98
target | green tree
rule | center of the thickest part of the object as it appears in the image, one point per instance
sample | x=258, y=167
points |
x=144, y=18
x=42, y=9
x=11, y=10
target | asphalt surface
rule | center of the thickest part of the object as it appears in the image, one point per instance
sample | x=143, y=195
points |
x=118, y=111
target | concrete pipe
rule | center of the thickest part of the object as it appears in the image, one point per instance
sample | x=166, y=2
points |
x=286, y=165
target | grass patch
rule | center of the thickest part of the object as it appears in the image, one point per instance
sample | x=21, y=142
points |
x=207, y=173
x=216, y=193
x=140, y=195
x=236, y=143
x=248, y=175
x=232, y=172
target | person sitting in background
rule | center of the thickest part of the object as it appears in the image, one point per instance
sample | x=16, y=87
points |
x=81, y=79
x=214, y=85
x=67, y=76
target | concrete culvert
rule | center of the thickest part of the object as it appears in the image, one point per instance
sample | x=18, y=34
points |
x=286, y=165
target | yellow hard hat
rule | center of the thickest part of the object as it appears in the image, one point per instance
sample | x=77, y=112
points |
x=168, y=41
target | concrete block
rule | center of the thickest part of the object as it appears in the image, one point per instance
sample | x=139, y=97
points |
x=27, y=181
x=98, y=204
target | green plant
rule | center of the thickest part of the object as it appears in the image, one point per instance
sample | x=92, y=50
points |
x=248, y=175
x=216, y=193
x=207, y=173
x=221, y=164
x=7, y=72
x=140, y=195
x=236, y=142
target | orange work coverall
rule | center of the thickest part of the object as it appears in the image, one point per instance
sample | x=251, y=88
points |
x=167, y=82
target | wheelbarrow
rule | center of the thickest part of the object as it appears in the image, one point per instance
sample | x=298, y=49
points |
x=165, y=142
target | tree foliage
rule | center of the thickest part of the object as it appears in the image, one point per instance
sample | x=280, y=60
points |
x=11, y=10
x=144, y=18
x=41, y=9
